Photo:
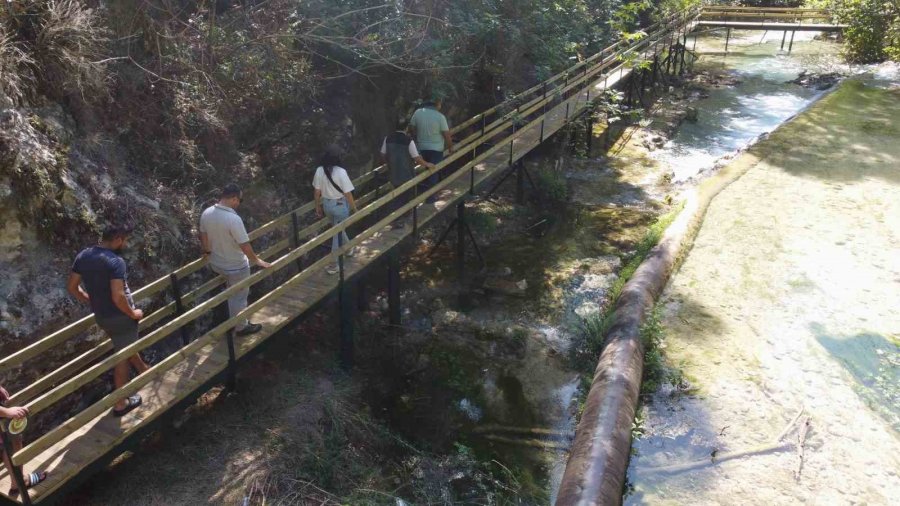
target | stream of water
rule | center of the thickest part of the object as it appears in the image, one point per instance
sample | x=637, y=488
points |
x=502, y=385
x=770, y=342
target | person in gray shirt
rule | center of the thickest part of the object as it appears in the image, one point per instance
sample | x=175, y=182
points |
x=227, y=247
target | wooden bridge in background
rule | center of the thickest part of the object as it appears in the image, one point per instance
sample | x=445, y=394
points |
x=492, y=146
x=770, y=19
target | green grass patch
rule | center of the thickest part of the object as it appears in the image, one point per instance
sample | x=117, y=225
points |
x=590, y=336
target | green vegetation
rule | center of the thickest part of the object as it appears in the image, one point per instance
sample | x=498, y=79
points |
x=873, y=33
x=551, y=183
x=589, y=343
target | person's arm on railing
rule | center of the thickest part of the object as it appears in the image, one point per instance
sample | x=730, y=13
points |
x=351, y=201
x=74, y=288
x=204, y=244
x=247, y=248
x=317, y=196
x=117, y=289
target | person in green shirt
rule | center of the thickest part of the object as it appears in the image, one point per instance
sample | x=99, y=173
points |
x=432, y=133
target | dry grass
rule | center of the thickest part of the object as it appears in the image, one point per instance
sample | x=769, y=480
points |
x=54, y=47
x=15, y=80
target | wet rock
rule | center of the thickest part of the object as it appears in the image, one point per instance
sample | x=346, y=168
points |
x=691, y=115
x=506, y=286
x=816, y=81
x=445, y=317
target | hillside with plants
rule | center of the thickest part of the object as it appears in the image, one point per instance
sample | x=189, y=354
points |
x=144, y=108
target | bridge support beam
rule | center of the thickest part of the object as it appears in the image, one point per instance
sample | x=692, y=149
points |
x=394, y=311
x=727, y=38
x=461, y=228
x=791, y=44
x=345, y=305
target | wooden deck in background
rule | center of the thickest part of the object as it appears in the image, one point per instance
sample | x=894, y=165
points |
x=95, y=440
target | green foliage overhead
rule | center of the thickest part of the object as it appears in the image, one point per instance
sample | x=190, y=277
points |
x=873, y=33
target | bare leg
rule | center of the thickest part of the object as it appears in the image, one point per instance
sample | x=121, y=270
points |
x=120, y=378
x=16, y=442
x=138, y=363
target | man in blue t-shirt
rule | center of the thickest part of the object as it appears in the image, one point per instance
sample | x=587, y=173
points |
x=99, y=278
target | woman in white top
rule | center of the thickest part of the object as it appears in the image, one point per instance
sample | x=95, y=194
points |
x=334, y=197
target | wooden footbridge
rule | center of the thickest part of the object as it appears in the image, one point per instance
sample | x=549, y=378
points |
x=492, y=146
x=770, y=19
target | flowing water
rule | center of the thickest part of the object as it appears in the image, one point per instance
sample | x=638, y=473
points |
x=734, y=116
x=787, y=302
x=499, y=382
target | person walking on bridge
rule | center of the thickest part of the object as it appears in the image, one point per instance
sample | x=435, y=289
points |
x=432, y=134
x=227, y=246
x=399, y=152
x=15, y=443
x=333, y=193
x=99, y=278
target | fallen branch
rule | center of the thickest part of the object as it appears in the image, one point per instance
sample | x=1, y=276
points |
x=721, y=457
x=535, y=443
x=801, y=441
x=530, y=431
x=758, y=450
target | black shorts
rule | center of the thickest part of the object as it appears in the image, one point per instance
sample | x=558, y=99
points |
x=123, y=330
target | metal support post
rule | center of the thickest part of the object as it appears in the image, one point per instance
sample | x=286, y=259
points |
x=791, y=44
x=17, y=476
x=653, y=78
x=783, y=38
x=394, y=287
x=520, y=183
x=472, y=180
x=179, y=307
x=590, y=132
x=683, y=51
x=346, y=314
x=461, y=241
x=727, y=38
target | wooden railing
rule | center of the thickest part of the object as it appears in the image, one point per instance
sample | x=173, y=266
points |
x=720, y=12
x=495, y=129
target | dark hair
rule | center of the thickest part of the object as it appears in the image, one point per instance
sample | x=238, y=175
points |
x=115, y=231
x=330, y=158
x=402, y=122
x=230, y=190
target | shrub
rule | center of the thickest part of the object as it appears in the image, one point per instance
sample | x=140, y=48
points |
x=57, y=44
x=14, y=64
x=552, y=184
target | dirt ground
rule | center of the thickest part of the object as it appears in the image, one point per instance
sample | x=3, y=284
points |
x=788, y=300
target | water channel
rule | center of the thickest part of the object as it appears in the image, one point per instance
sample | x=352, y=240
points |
x=784, y=307
x=513, y=391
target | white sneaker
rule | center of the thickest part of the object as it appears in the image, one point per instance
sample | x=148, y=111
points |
x=332, y=269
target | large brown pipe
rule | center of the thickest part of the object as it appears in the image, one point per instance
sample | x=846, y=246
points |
x=595, y=472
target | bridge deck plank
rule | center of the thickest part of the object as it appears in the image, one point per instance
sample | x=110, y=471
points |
x=92, y=441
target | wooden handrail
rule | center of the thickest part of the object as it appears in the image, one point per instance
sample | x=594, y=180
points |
x=82, y=378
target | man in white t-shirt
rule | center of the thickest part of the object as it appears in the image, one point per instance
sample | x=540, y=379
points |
x=227, y=247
